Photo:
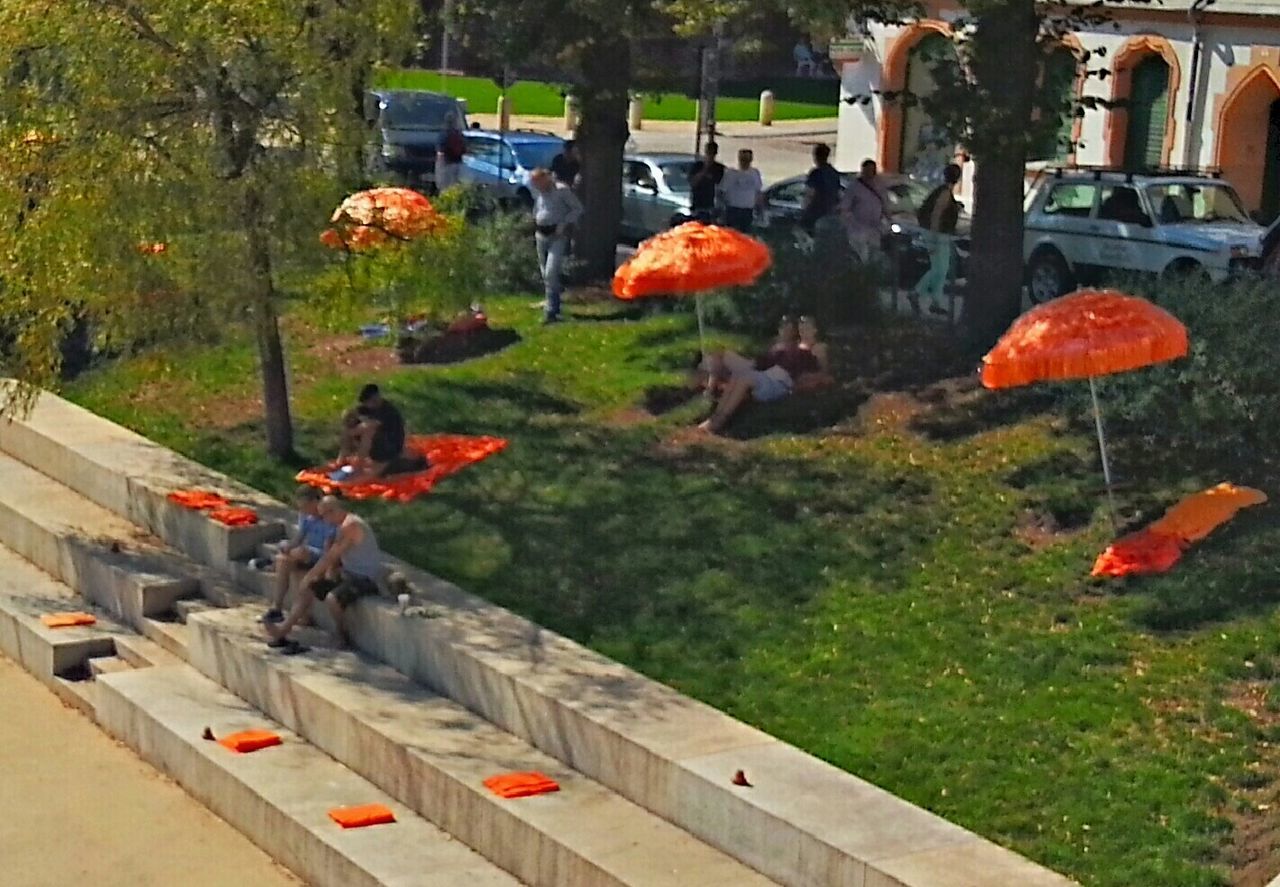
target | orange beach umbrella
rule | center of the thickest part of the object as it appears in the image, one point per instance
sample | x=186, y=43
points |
x=371, y=218
x=1086, y=334
x=691, y=259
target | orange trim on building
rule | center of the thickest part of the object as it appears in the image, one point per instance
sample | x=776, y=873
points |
x=1241, y=114
x=893, y=78
x=1116, y=124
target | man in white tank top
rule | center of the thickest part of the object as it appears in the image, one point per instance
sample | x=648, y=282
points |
x=346, y=572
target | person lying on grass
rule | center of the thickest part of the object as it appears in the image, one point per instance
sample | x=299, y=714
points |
x=299, y=554
x=373, y=439
x=787, y=366
x=346, y=572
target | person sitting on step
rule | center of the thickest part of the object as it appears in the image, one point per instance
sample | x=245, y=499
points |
x=346, y=572
x=300, y=553
x=373, y=439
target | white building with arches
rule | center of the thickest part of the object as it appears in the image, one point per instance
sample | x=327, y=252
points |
x=1202, y=84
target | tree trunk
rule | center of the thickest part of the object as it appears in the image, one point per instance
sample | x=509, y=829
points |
x=602, y=140
x=275, y=386
x=1004, y=64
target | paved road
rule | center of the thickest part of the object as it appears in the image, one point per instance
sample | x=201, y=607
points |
x=781, y=150
x=80, y=808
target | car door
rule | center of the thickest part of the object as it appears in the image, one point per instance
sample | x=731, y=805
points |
x=640, y=198
x=1065, y=219
x=785, y=202
x=1120, y=229
x=479, y=164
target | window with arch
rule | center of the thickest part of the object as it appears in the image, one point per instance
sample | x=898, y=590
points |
x=926, y=149
x=1061, y=76
x=1148, y=114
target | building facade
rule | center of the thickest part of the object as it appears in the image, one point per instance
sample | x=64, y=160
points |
x=1202, y=87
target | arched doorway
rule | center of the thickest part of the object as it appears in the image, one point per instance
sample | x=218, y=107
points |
x=925, y=149
x=1148, y=113
x=906, y=70
x=1248, y=139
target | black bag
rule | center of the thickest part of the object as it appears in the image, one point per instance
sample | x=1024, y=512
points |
x=924, y=215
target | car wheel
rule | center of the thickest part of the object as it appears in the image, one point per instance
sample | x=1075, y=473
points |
x=1186, y=269
x=1048, y=276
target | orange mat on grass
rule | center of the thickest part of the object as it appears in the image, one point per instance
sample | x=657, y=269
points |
x=1158, y=547
x=198, y=500
x=359, y=817
x=521, y=785
x=67, y=620
x=446, y=454
x=249, y=741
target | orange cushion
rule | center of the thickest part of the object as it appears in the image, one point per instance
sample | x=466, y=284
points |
x=521, y=785
x=446, y=454
x=359, y=817
x=66, y=620
x=249, y=740
x=235, y=517
x=197, y=499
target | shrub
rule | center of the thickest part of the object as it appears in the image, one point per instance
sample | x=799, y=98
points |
x=1220, y=406
x=819, y=277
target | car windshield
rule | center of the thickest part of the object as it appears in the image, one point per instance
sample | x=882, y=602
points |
x=533, y=155
x=1185, y=203
x=907, y=197
x=415, y=112
x=677, y=175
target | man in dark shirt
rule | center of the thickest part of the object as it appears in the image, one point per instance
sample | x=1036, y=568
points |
x=822, y=189
x=704, y=179
x=567, y=165
x=374, y=434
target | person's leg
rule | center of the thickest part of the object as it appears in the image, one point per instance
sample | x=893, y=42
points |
x=286, y=563
x=554, y=270
x=543, y=244
x=337, y=612
x=939, y=271
x=927, y=285
x=301, y=607
x=736, y=393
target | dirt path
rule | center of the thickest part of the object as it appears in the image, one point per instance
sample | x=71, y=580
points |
x=80, y=808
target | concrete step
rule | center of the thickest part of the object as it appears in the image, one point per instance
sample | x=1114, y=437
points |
x=434, y=755
x=172, y=637
x=185, y=609
x=96, y=552
x=280, y=797
x=129, y=475
x=102, y=665
x=142, y=652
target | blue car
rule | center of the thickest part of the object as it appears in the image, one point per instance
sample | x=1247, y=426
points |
x=501, y=162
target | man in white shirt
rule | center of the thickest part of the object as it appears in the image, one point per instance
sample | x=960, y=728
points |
x=863, y=207
x=556, y=209
x=743, y=191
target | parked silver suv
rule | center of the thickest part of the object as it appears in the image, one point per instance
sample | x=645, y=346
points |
x=1085, y=223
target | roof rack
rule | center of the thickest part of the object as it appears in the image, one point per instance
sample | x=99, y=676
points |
x=1212, y=172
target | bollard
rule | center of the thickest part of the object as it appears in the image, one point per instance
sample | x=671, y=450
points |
x=571, y=113
x=504, y=113
x=635, y=113
x=766, y=108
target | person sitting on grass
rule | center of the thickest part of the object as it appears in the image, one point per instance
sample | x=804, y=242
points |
x=373, y=439
x=346, y=572
x=303, y=551
x=773, y=376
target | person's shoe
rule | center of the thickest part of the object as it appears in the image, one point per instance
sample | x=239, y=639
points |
x=279, y=643
x=935, y=308
x=550, y=319
x=273, y=616
x=261, y=564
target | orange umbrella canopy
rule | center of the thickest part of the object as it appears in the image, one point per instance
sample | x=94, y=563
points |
x=371, y=218
x=691, y=258
x=1088, y=333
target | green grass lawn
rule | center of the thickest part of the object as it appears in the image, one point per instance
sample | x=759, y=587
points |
x=796, y=99
x=886, y=592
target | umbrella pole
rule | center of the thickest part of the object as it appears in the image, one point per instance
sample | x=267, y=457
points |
x=702, y=335
x=1102, y=447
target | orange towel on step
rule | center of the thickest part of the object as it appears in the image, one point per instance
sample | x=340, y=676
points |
x=249, y=740
x=521, y=785
x=197, y=500
x=235, y=517
x=359, y=817
x=67, y=620
x=446, y=454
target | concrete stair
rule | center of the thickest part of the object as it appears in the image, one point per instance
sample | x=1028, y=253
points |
x=468, y=668
x=280, y=797
x=434, y=755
